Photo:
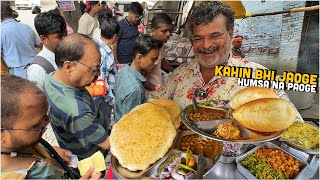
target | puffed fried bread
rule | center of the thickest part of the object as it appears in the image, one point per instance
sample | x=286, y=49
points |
x=142, y=136
x=249, y=94
x=172, y=108
x=266, y=115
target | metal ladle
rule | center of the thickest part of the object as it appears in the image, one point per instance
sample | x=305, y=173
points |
x=194, y=101
x=195, y=105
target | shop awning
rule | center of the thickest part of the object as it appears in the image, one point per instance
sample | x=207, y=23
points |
x=238, y=8
x=241, y=13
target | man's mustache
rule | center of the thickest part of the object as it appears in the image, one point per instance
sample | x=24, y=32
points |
x=208, y=50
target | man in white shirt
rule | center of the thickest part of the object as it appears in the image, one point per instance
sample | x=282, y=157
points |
x=51, y=29
x=101, y=16
x=88, y=21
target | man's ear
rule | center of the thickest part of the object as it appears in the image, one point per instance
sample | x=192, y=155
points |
x=68, y=66
x=138, y=58
x=43, y=39
x=114, y=38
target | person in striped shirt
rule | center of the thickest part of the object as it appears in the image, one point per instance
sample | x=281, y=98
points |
x=76, y=121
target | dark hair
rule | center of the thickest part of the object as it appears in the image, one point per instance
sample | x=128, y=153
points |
x=160, y=18
x=109, y=28
x=54, y=11
x=71, y=48
x=11, y=107
x=103, y=15
x=206, y=12
x=47, y=23
x=144, y=44
x=6, y=10
x=104, y=2
x=136, y=8
x=238, y=36
x=116, y=4
x=91, y=3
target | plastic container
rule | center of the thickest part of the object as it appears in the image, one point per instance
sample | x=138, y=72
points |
x=97, y=88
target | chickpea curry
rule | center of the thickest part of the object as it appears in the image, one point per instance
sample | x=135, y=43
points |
x=206, y=114
x=197, y=144
x=280, y=160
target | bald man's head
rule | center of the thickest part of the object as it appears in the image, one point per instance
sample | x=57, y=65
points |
x=72, y=48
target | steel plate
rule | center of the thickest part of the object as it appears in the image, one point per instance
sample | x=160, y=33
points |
x=206, y=128
x=124, y=173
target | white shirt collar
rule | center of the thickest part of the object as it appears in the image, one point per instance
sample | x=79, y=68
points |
x=48, y=55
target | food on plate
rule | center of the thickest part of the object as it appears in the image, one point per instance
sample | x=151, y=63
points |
x=261, y=169
x=303, y=134
x=280, y=160
x=177, y=166
x=249, y=94
x=206, y=114
x=232, y=149
x=227, y=131
x=266, y=115
x=197, y=144
x=142, y=136
x=96, y=160
x=173, y=109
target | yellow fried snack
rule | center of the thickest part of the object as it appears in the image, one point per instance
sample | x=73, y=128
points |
x=172, y=108
x=96, y=160
x=250, y=94
x=142, y=136
x=266, y=115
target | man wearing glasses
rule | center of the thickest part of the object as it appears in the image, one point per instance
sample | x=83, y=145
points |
x=78, y=124
x=24, y=117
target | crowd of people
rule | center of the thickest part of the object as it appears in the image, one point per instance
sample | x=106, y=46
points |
x=130, y=63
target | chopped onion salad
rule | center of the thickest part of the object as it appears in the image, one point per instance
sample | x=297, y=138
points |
x=231, y=149
x=177, y=167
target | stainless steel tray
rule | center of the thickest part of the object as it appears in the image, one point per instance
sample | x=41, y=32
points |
x=217, y=152
x=207, y=167
x=296, y=146
x=231, y=159
x=248, y=175
x=206, y=128
x=124, y=173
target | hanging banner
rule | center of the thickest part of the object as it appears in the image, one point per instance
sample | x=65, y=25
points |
x=66, y=5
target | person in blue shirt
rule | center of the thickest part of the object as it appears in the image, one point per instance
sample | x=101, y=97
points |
x=128, y=34
x=109, y=31
x=18, y=42
x=130, y=80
